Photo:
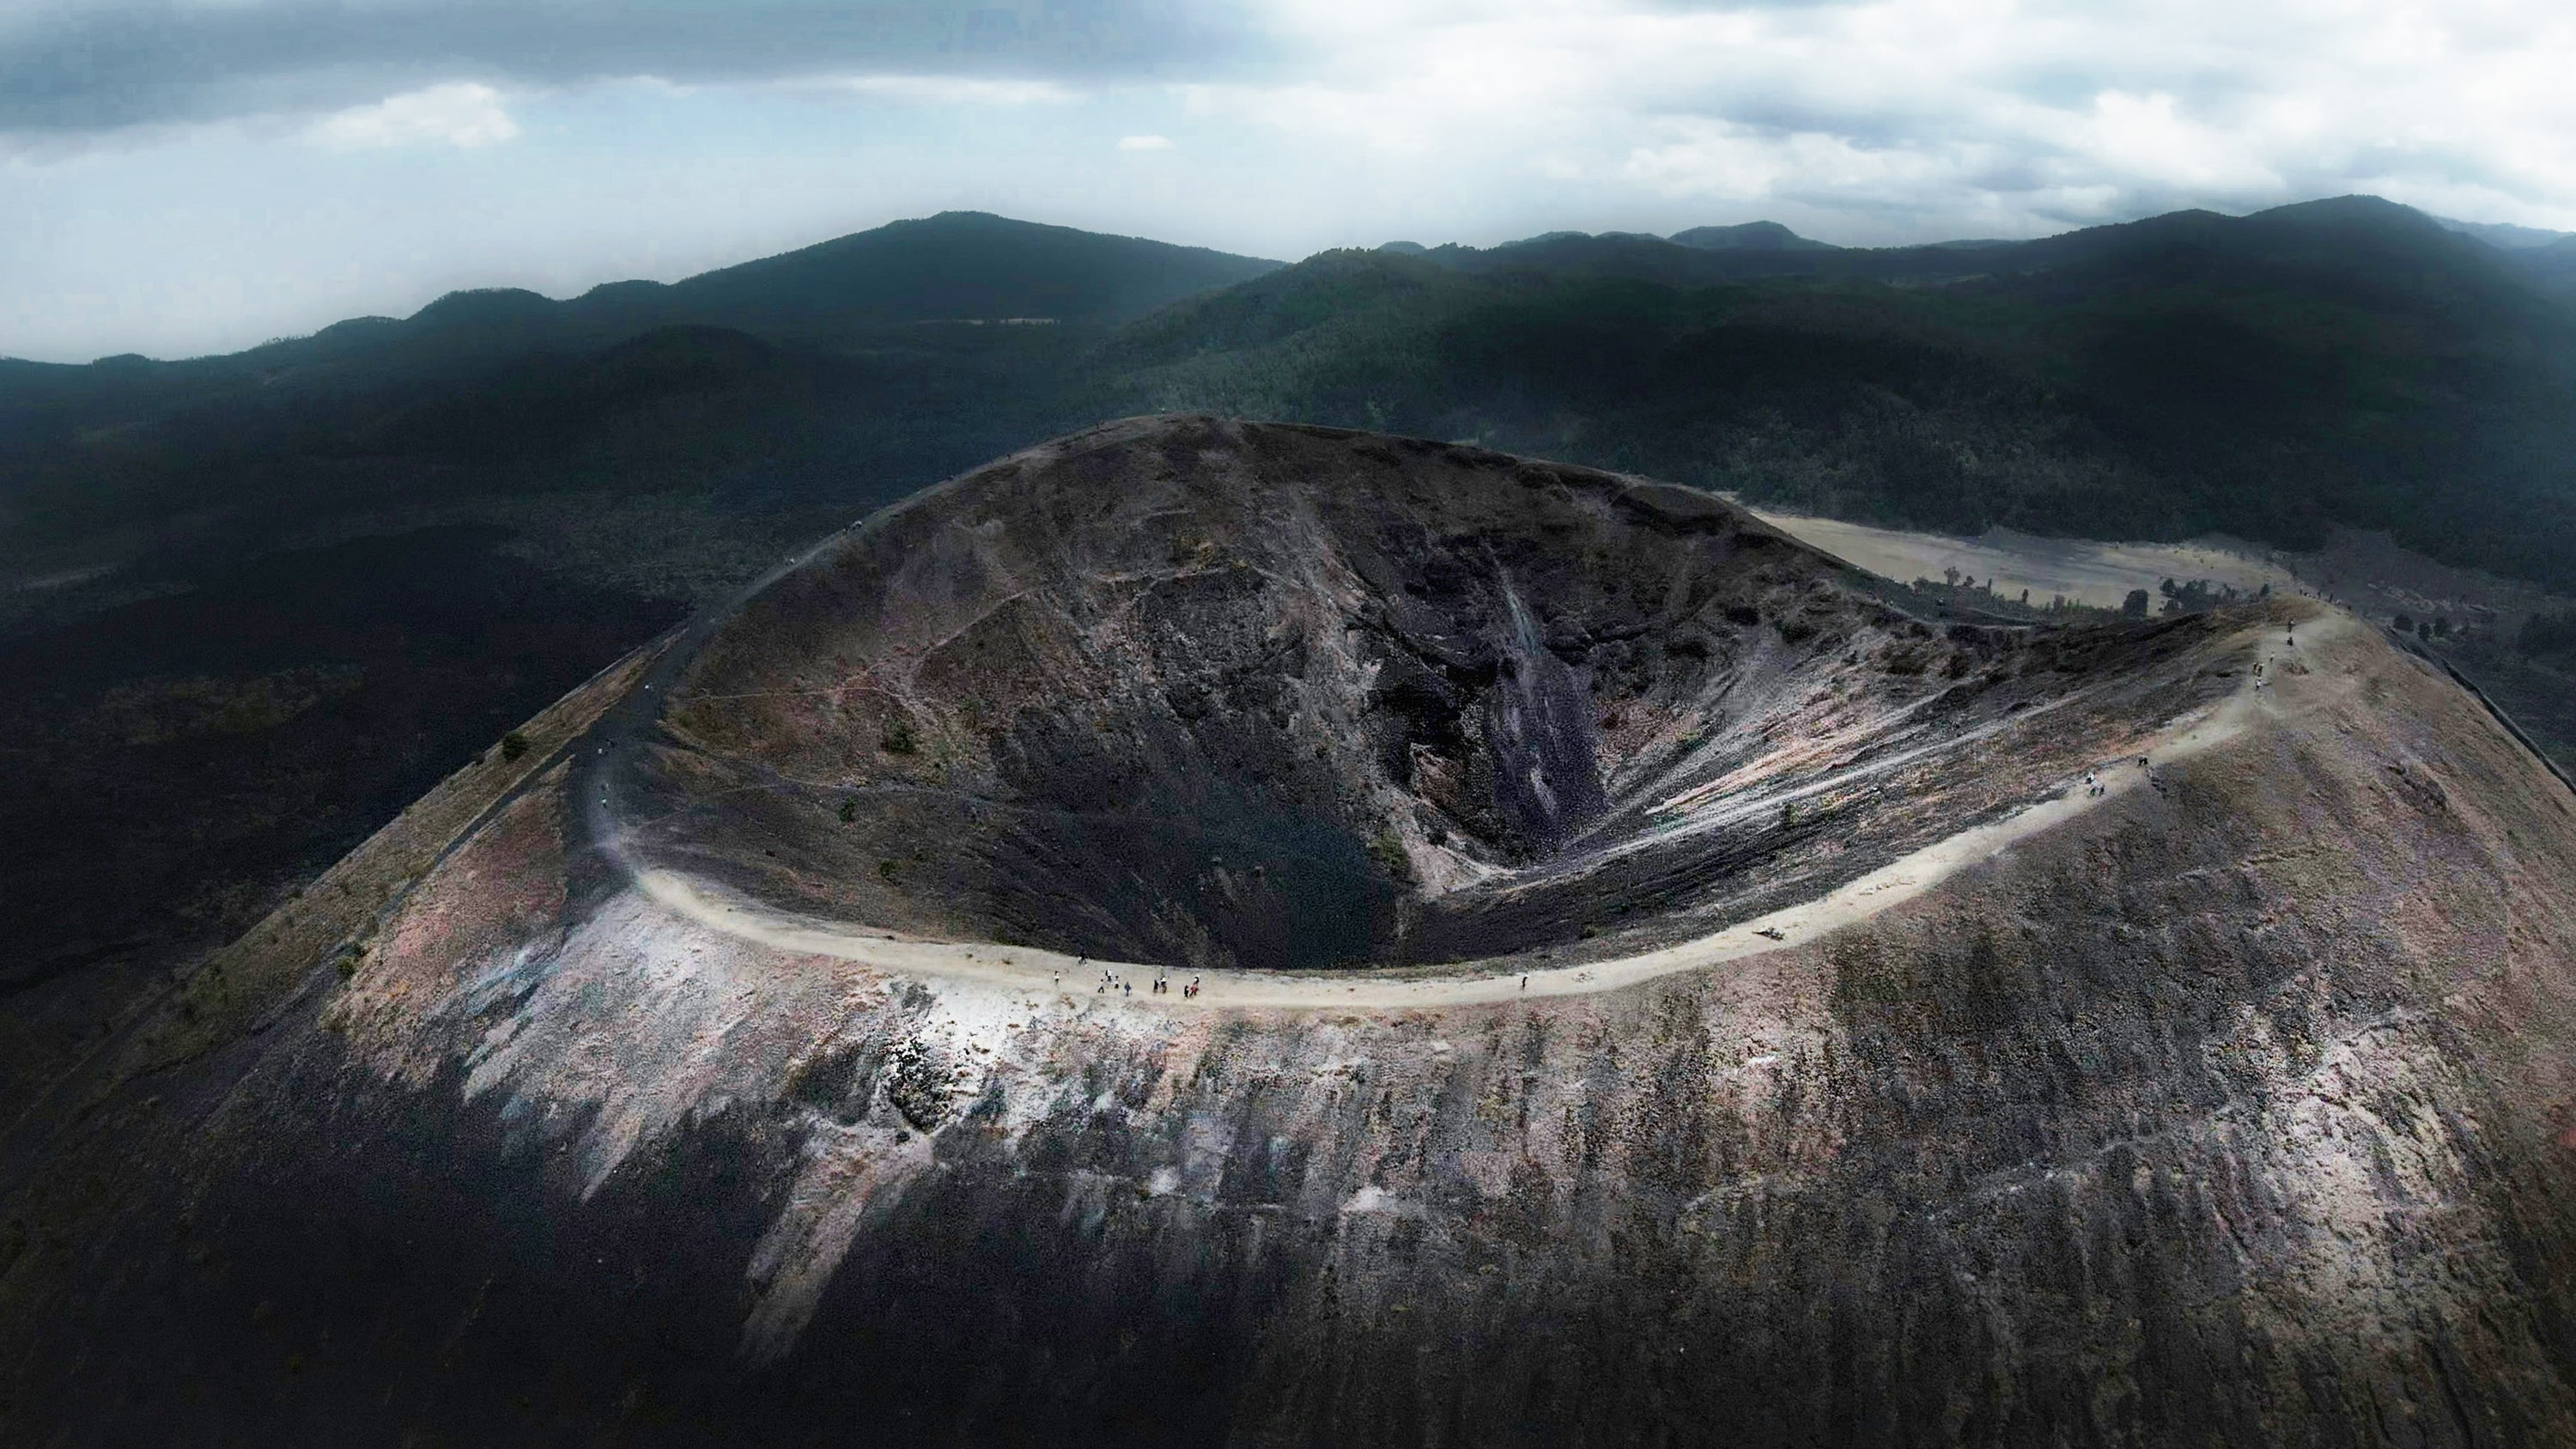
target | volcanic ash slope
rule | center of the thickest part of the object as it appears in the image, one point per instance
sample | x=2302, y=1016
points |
x=1899, y=1060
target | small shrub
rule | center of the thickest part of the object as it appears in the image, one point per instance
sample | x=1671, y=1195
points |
x=898, y=739
x=889, y=870
x=1387, y=849
x=513, y=745
x=849, y=811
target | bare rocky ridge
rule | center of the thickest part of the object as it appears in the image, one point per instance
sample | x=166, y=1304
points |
x=2236, y=1104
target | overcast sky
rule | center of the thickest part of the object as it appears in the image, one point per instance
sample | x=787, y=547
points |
x=186, y=176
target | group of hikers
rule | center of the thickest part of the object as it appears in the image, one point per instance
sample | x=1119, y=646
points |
x=2289, y=640
x=1111, y=981
x=2095, y=785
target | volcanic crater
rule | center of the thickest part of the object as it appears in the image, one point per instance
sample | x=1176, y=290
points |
x=1208, y=694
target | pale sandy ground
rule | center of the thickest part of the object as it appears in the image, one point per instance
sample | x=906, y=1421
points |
x=1470, y=983
x=59, y=579
x=2085, y=572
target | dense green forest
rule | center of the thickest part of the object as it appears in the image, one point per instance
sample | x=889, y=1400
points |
x=2345, y=363
x=839, y=376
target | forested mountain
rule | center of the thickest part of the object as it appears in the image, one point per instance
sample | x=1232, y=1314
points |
x=2554, y=265
x=917, y=346
x=2339, y=362
x=2505, y=234
x=1755, y=236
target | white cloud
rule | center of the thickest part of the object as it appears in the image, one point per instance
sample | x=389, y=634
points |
x=1718, y=159
x=458, y=114
x=956, y=90
x=1144, y=143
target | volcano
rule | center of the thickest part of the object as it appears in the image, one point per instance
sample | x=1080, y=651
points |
x=1218, y=932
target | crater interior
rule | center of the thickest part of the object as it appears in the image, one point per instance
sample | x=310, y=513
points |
x=1209, y=694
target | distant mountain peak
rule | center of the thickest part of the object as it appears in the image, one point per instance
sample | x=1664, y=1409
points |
x=1750, y=236
x=2356, y=209
x=2504, y=235
x=483, y=305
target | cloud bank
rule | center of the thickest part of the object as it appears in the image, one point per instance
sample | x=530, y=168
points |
x=2028, y=114
x=2022, y=113
x=84, y=65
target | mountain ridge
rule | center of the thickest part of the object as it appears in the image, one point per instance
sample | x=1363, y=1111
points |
x=729, y=295
x=902, y=271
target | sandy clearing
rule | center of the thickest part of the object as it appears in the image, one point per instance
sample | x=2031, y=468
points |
x=1491, y=981
x=2084, y=571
